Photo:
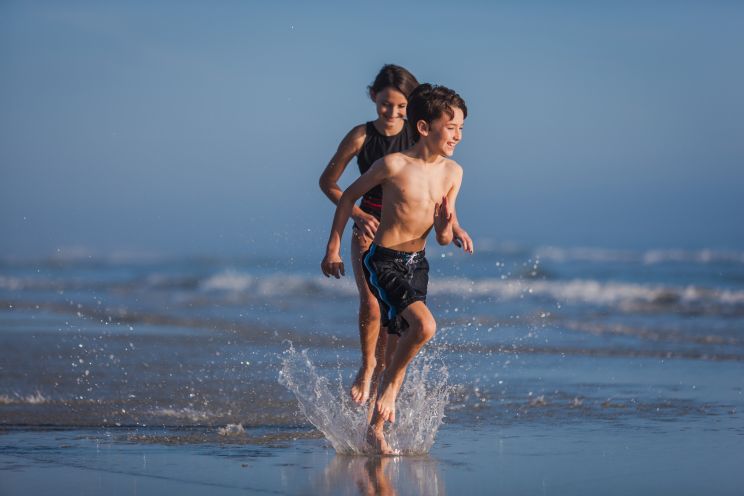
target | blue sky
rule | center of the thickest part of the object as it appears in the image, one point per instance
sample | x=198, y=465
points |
x=202, y=127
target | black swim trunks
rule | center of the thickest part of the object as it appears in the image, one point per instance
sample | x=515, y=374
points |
x=397, y=279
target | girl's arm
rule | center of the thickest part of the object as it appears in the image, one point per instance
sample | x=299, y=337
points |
x=347, y=150
x=350, y=146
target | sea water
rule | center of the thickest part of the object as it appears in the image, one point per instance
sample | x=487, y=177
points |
x=527, y=336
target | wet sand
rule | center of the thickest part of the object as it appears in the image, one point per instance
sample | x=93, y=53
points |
x=568, y=459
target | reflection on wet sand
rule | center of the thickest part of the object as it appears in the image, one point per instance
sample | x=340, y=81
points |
x=384, y=476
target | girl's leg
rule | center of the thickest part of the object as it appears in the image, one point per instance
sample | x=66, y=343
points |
x=371, y=339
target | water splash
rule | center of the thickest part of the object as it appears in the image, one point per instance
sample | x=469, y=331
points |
x=328, y=406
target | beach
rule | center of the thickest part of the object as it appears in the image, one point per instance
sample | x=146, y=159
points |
x=554, y=371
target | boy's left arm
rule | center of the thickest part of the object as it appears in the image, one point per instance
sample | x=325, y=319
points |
x=461, y=238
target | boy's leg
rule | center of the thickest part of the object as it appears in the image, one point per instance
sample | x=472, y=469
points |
x=400, y=352
x=375, y=435
x=421, y=328
x=369, y=323
x=386, y=345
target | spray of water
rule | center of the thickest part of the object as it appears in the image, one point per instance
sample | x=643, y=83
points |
x=327, y=405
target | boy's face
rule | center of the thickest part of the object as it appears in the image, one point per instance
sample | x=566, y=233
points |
x=445, y=132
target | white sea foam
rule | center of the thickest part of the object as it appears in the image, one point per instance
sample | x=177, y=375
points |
x=587, y=291
x=231, y=430
x=276, y=284
x=35, y=398
x=181, y=413
x=11, y=283
x=649, y=257
x=576, y=291
x=228, y=281
x=327, y=405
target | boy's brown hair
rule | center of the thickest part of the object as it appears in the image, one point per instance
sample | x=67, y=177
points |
x=428, y=103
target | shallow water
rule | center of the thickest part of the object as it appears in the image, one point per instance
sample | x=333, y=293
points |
x=569, y=362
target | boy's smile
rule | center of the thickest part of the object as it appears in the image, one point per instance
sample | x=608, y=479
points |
x=446, y=132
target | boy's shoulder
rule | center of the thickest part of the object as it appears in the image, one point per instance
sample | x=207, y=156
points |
x=398, y=160
x=453, y=166
x=393, y=162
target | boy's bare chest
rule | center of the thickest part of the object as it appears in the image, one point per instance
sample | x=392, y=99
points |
x=418, y=186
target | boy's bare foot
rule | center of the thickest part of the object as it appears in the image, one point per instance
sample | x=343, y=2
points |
x=376, y=439
x=360, y=387
x=386, y=401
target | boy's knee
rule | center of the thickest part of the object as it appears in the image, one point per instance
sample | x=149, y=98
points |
x=425, y=329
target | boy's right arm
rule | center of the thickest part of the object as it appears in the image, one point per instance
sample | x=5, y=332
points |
x=349, y=147
x=332, y=265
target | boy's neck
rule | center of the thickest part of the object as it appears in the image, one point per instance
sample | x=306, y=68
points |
x=424, y=153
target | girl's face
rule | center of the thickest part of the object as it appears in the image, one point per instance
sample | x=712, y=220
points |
x=391, y=106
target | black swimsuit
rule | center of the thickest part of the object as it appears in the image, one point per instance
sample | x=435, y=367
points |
x=376, y=146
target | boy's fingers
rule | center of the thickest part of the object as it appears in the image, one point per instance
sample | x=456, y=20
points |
x=458, y=242
x=338, y=270
x=468, y=243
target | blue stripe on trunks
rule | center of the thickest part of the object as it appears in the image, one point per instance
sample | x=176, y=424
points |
x=376, y=283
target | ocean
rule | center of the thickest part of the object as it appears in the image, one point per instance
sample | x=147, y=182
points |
x=554, y=370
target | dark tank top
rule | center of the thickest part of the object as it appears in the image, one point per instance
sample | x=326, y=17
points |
x=376, y=146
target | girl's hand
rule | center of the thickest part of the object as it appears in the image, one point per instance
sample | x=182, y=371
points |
x=366, y=224
x=462, y=239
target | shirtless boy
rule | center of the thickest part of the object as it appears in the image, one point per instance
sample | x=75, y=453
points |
x=420, y=187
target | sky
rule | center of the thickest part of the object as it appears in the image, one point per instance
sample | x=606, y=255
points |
x=188, y=127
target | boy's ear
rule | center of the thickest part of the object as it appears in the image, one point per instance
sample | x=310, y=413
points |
x=422, y=127
x=373, y=96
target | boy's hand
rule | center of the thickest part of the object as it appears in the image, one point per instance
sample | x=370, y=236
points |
x=366, y=223
x=462, y=239
x=443, y=218
x=332, y=265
